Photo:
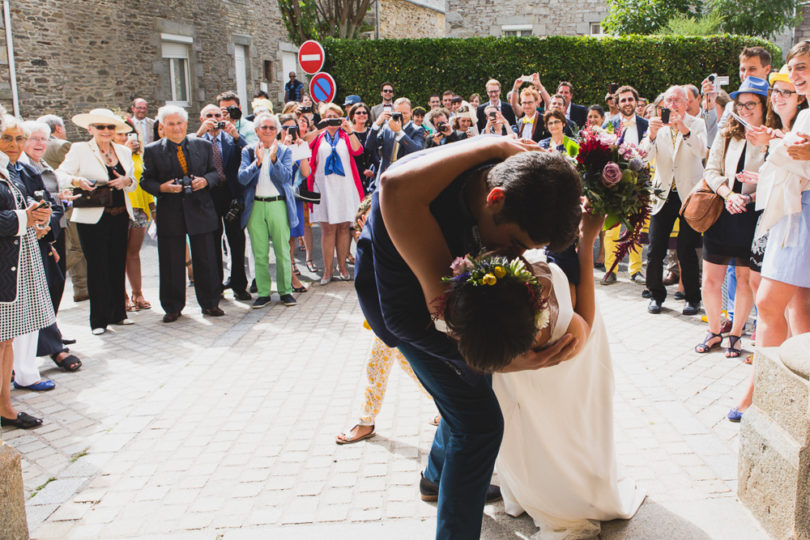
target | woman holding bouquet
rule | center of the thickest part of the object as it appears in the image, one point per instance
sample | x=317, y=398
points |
x=729, y=239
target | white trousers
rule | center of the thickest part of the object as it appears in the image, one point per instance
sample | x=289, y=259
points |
x=26, y=371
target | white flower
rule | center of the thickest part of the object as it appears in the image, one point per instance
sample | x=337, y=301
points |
x=542, y=318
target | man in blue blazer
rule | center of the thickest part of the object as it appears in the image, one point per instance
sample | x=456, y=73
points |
x=631, y=127
x=226, y=145
x=391, y=138
x=265, y=175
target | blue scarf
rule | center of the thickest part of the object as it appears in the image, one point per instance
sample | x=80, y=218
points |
x=333, y=164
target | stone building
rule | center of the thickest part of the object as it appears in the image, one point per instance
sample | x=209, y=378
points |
x=71, y=56
x=466, y=18
x=411, y=18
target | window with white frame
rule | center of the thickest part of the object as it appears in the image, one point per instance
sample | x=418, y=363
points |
x=516, y=30
x=175, y=51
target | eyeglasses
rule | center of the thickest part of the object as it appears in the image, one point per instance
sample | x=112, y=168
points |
x=749, y=105
x=213, y=115
x=268, y=128
x=783, y=93
x=19, y=139
x=105, y=126
x=388, y=91
x=553, y=122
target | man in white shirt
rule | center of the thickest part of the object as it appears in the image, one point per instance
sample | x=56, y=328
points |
x=144, y=125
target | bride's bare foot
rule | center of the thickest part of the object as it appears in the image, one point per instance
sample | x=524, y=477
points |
x=355, y=434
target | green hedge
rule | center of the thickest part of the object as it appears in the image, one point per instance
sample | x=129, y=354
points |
x=420, y=67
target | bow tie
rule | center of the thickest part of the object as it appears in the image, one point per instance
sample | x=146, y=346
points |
x=628, y=123
x=528, y=120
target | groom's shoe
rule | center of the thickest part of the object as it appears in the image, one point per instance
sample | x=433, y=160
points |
x=430, y=491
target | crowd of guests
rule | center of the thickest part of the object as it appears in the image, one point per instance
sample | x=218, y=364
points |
x=87, y=206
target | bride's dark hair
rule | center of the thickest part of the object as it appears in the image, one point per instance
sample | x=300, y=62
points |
x=492, y=324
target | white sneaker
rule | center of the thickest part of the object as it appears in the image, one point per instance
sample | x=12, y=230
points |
x=98, y=331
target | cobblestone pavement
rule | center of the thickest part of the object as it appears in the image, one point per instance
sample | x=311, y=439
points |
x=224, y=427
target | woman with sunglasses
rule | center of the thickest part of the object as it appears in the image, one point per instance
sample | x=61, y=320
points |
x=360, y=119
x=101, y=171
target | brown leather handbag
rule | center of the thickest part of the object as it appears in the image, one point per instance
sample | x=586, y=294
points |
x=702, y=207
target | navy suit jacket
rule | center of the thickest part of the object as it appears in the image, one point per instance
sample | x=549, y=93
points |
x=641, y=125
x=579, y=115
x=231, y=158
x=380, y=143
x=506, y=111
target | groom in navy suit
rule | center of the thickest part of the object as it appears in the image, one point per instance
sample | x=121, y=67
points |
x=226, y=145
x=630, y=126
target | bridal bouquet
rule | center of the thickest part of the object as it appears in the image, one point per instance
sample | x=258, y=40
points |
x=616, y=181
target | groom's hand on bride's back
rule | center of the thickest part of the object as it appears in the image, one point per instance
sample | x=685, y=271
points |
x=562, y=350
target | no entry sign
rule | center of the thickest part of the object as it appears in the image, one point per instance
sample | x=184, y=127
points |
x=322, y=87
x=311, y=56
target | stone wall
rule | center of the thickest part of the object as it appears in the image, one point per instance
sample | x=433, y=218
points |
x=466, y=18
x=406, y=19
x=75, y=55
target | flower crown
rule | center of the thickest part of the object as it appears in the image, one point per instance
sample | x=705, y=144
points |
x=487, y=270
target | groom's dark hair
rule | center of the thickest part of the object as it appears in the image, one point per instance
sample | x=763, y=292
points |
x=543, y=191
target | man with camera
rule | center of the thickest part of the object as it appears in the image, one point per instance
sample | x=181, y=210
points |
x=387, y=94
x=677, y=143
x=232, y=113
x=226, y=145
x=495, y=104
x=180, y=172
x=444, y=130
x=393, y=135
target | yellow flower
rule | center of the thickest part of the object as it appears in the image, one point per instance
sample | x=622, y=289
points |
x=499, y=272
x=489, y=279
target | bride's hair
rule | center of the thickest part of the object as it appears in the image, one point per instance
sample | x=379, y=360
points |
x=491, y=309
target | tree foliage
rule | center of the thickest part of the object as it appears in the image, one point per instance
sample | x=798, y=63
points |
x=765, y=18
x=684, y=25
x=317, y=19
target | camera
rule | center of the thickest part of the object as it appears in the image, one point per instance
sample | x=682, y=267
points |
x=493, y=115
x=612, y=87
x=186, y=183
x=397, y=117
x=712, y=77
x=440, y=126
x=234, y=112
x=305, y=109
x=665, y=115
x=234, y=210
x=293, y=131
x=39, y=196
x=219, y=125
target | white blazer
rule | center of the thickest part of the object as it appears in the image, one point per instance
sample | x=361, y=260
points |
x=722, y=169
x=682, y=163
x=84, y=160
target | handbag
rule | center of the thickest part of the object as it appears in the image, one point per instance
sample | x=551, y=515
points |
x=100, y=197
x=702, y=207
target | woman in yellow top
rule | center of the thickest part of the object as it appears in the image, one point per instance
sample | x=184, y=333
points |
x=143, y=207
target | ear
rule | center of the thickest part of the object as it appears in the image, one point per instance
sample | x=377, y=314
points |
x=496, y=198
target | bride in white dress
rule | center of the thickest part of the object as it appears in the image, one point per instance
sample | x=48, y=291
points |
x=557, y=460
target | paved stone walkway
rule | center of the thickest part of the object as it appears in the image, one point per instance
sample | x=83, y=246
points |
x=224, y=427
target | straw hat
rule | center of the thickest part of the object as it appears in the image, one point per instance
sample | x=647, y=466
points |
x=104, y=117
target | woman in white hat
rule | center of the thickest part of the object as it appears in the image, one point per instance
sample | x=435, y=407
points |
x=101, y=171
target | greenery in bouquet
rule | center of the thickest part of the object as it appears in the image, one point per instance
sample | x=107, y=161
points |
x=616, y=181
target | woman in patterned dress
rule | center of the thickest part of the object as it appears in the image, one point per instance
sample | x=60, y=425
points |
x=25, y=306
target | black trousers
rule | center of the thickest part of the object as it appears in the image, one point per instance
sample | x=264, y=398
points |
x=104, y=245
x=49, y=341
x=688, y=242
x=172, y=263
x=236, y=243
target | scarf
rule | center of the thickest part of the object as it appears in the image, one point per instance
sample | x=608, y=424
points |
x=333, y=164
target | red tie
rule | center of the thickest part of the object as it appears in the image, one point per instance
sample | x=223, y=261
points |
x=218, y=161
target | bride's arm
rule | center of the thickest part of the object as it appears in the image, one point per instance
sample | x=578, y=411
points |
x=406, y=192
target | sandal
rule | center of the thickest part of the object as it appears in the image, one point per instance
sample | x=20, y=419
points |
x=350, y=259
x=140, y=302
x=129, y=306
x=300, y=289
x=68, y=363
x=732, y=351
x=704, y=347
x=344, y=439
x=311, y=266
x=295, y=270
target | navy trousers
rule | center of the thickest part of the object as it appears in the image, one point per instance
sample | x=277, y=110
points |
x=466, y=444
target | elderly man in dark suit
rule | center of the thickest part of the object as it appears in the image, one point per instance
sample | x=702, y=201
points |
x=391, y=138
x=226, y=146
x=180, y=172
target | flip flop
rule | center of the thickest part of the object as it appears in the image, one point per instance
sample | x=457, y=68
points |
x=342, y=439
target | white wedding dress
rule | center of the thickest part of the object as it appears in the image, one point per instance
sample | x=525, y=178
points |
x=557, y=461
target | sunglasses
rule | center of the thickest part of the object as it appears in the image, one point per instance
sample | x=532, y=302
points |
x=268, y=128
x=213, y=115
x=388, y=91
x=105, y=126
x=361, y=112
